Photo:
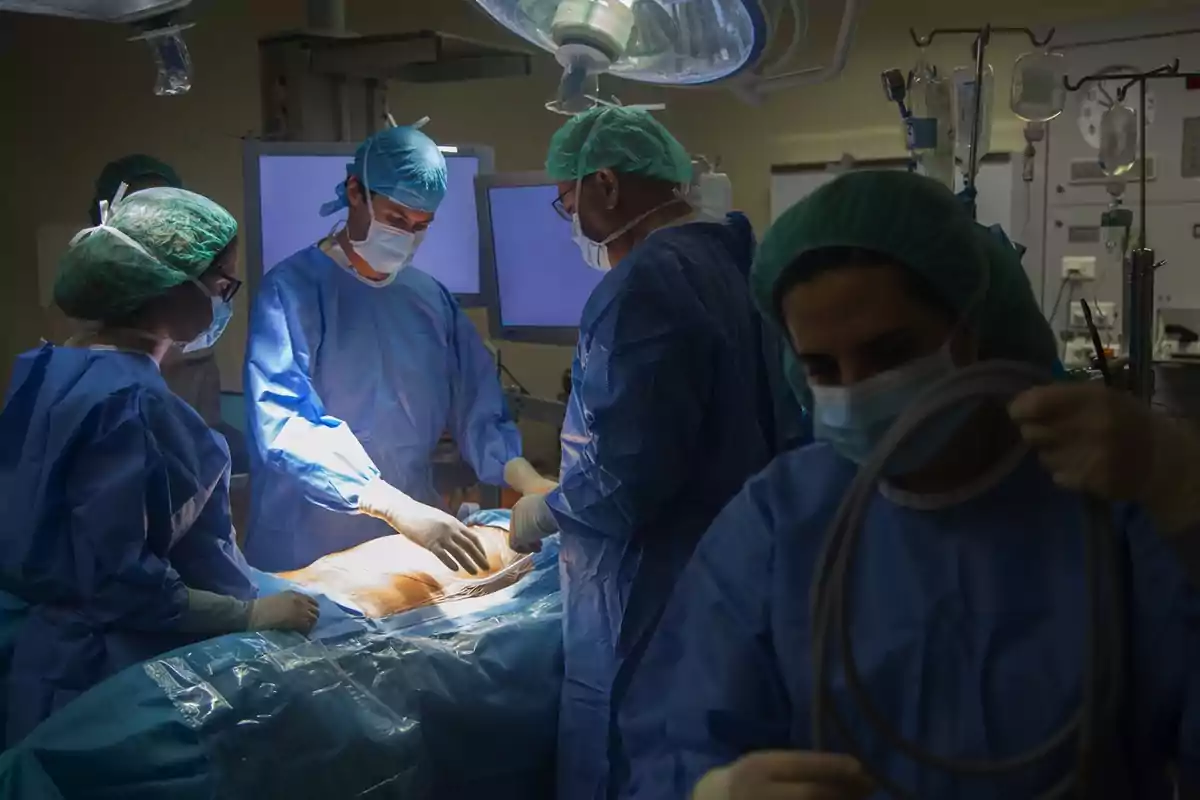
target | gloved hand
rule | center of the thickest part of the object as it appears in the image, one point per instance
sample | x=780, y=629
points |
x=1104, y=442
x=786, y=775
x=520, y=475
x=532, y=521
x=286, y=611
x=438, y=532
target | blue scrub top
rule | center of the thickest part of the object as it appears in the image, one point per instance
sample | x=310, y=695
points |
x=968, y=628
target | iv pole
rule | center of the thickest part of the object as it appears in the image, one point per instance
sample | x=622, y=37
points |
x=983, y=37
x=1140, y=264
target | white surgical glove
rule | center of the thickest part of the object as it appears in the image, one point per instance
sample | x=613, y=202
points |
x=1104, y=442
x=520, y=475
x=438, y=532
x=532, y=521
x=286, y=611
x=787, y=775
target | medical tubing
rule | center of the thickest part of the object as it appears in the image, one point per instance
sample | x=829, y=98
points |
x=1103, y=669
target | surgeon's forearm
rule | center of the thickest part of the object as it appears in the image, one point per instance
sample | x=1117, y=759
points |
x=521, y=475
x=326, y=459
x=211, y=614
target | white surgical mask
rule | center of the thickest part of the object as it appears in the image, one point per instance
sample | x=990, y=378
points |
x=595, y=254
x=386, y=249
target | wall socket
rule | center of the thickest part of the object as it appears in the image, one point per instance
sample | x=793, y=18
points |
x=1079, y=268
x=1103, y=314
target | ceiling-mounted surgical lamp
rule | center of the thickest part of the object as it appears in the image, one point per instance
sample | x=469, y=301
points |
x=157, y=23
x=666, y=42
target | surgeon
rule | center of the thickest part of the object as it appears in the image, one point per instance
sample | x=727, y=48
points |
x=967, y=603
x=355, y=366
x=668, y=415
x=114, y=493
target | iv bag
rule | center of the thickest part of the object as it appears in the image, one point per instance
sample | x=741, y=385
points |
x=931, y=128
x=1038, y=93
x=964, y=112
x=1118, y=140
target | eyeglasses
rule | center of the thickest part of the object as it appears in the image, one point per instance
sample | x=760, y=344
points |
x=232, y=286
x=560, y=207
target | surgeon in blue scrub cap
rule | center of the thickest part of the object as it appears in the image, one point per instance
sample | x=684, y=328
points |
x=966, y=605
x=355, y=366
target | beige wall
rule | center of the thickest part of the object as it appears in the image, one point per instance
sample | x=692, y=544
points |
x=77, y=94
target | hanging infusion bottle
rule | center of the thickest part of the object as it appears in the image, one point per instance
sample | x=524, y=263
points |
x=1118, y=140
x=1038, y=92
x=964, y=112
x=930, y=130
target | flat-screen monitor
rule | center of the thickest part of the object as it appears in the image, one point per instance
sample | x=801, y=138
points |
x=535, y=280
x=288, y=182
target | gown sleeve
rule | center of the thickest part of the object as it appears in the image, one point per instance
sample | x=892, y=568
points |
x=708, y=689
x=119, y=519
x=644, y=392
x=290, y=430
x=485, y=432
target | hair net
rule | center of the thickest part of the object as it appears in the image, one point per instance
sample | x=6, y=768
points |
x=129, y=170
x=625, y=140
x=921, y=225
x=400, y=163
x=148, y=242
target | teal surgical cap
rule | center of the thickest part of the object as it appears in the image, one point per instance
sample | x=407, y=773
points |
x=152, y=240
x=920, y=225
x=130, y=170
x=625, y=140
x=400, y=163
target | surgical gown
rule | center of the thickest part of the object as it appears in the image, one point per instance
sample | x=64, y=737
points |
x=115, y=497
x=667, y=418
x=346, y=381
x=968, y=627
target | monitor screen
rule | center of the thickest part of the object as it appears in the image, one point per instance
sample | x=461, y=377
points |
x=541, y=278
x=292, y=189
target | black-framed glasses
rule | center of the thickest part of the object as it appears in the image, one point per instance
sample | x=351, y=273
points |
x=232, y=287
x=560, y=207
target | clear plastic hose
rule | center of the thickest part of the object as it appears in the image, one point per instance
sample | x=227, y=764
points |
x=1103, y=670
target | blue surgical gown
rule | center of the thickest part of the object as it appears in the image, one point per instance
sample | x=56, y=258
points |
x=115, y=498
x=347, y=381
x=968, y=627
x=667, y=418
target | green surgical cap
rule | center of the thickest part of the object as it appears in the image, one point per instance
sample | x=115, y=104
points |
x=918, y=223
x=625, y=140
x=153, y=240
x=128, y=170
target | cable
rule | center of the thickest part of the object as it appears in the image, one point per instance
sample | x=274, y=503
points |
x=1103, y=666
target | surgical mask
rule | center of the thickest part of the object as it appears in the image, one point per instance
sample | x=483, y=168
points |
x=595, y=254
x=386, y=249
x=853, y=419
x=222, y=312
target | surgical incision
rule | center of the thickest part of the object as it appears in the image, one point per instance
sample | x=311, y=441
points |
x=391, y=574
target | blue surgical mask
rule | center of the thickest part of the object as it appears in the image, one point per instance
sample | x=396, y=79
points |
x=222, y=312
x=853, y=419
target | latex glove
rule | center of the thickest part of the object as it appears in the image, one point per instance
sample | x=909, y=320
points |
x=435, y=530
x=786, y=775
x=520, y=475
x=1106, y=443
x=532, y=521
x=286, y=611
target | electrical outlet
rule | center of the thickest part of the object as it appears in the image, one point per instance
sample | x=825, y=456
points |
x=1079, y=268
x=1103, y=315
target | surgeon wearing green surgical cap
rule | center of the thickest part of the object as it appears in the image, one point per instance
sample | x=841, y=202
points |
x=114, y=493
x=670, y=410
x=966, y=605
x=137, y=172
